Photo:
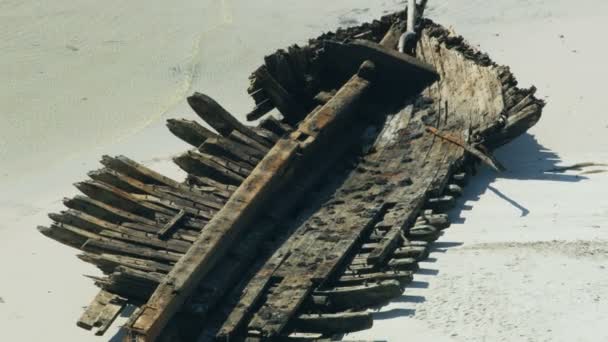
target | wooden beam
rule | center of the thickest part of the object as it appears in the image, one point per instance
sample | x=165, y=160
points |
x=363, y=296
x=280, y=97
x=219, y=118
x=244, y=206
x=171, y=224
x=189, y=131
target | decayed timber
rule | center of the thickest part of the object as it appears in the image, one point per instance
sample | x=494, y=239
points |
x=258, y=242
x=241, y=208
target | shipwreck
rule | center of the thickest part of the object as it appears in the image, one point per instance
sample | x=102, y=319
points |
x=290, y=230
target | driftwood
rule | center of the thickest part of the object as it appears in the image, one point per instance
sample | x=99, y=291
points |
x=259, y=242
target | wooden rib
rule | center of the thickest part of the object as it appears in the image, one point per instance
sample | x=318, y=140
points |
x=443, y=203
x=177, y=206
x=282, y=100
x=115, y=197
x=238, y=167
x=219, y=118
x=403, y=277
x=274, y=125
x=266, y=134
x=104, y=211
x=194, y=163
x=386, y=246
x=147, y=240
x=63, y=236
x=135, y=170
x=223, y=147
x=189, y=131
x=179, y=196
x=439, y=221
x=74, y=218
x=338, y=323
x=109, y=262
x=419, y=253
x=180, y=233
x=112, y=246
x=224, y=190
x=145, y=175
x=260, y=110
x=363, y=296
x=248, y=141
x=204, y=198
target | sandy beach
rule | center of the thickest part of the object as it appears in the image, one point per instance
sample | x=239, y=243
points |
x=525, y=260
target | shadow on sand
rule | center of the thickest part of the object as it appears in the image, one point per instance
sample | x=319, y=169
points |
x=526, y=159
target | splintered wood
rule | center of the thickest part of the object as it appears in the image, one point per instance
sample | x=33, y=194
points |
x=290, y=230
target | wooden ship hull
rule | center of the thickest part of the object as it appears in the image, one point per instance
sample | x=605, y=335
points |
x=290, y=230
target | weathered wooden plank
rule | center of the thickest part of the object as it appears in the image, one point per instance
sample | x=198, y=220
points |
x=177, y=195
x=274, y=125
x=280, y=97
x=189, y=131
x=363, y=296
x=138, y=171
x=251, y=297
x=104, y=211
x=147, y=240
x=387, y=245
x=171, y=224
x=195, y=163
x=222, y=146
x=238, y=167
x=63, y=236
x=111, y=246
x=180, y=234
x=418, y=253
x=260, y=110
x=244, y=139
x=266, y=134
x=391, y=65
x=339, y=323
x=403, y=277
x=270, y=320
x=222, y=189
x=115, y=197
x=440, y=204
x=109, y=262
x=101, y=312
x=176, y=206
x=109, y=314
x=228, y=272
x=219, y=118
x=104, y=228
